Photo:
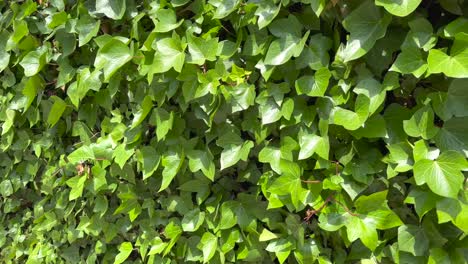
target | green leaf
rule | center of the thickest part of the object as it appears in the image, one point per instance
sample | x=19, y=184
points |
x=121, y=155
x=87, y=28
x=31, y=88
x=114, y=9
x=400, y=8
x=6, y=188
x=412, y=239
x=410, y=61
x=443, y=176
x=125, y=249
x=454, y=65
x=311, y=144
x=208, y=244
x=421, y=124
x=348, y=119
x=193, y=220
x=171, y=161
x=34, y=61
x=81, y=154
x=243, y=96
x=149, y=158
x=366, y=24
x=111, y=57
x=283, y=49
x=77, y=186
x=453, y=136
x=169, y=54
x=266, y=12
x=202, y=160
x=56, y=111
x=266, y=235
x=164, y=122
x=165, y=20
x=201, y=49
x=314, y=85
x=146, y=107
x=233, y=153
x=363, y=229
x=457, y=98
x=423, y=201
x=224, y=7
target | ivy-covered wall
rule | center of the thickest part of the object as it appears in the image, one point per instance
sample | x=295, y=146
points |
x=232, y=131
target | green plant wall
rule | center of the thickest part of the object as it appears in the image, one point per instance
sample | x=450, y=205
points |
x=234, y=131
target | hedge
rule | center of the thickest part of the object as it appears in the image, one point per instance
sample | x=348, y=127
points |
x=234, y=131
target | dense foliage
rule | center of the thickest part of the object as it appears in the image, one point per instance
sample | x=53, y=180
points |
x=230, y=131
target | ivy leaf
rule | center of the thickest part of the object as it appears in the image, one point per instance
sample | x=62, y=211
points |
x=146, y=107
x=165, y=20
x=423, y=201
x=202, y=160
x=111, y=57
x=209, y=244
x=34, y=61
x=121, y=155
x=453, y=136
x=266, y=12
x=283, y=49
x=366, y=25
x=114, y=9
x=125, y=249
x=169, y=54
x=193, y=220
x=56, y=111
x=457, y=98
x=77, y=186
x=443, y=175
x=454, y=65
x=149, y=159
x=81, y=154
x=314, y=85
x=233, y=153
x=421, y=124
x=400, y=8
x=311, y=144
x=87, y=28
x=201, y=49
x=412, y=239
x=224, y=7
x=171, y=161
x=410, y=61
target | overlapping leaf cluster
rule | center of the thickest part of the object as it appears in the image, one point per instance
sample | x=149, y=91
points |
x=231, y=131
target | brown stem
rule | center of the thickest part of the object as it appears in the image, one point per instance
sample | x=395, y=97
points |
x=344, y=207
x=311, y=213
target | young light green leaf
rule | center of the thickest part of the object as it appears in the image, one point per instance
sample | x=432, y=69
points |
x=400, y=8
x=311, y=144
x=83, y=153
x=111, y=57
x=421, y=124
x=56, y=111
x=443, y=175
x=125, y=249
x=208, y=244
x=171, y=161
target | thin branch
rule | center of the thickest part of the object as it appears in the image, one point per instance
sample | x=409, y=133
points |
x=313, y=181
